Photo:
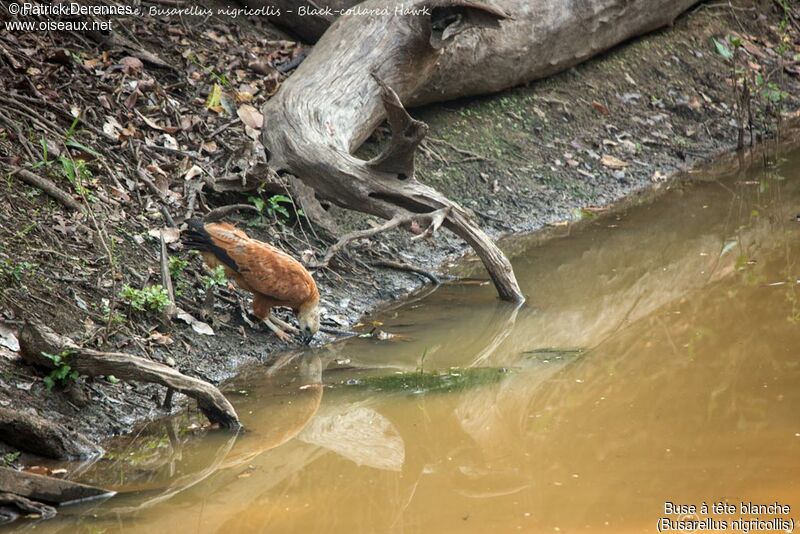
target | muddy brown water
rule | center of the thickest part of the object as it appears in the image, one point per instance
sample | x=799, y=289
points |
x=657, y=361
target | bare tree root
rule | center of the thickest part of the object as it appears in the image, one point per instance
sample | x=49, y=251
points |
x=403, y=266
x=316, y=125
x=36, y=338
x=434, y=220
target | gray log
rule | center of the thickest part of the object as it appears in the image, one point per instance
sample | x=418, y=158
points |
x=540, y=39
x=31, y=433
x=36, y=338
x=47, y=489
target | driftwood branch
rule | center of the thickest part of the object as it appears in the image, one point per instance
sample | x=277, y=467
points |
x=407, y=134
x=48, y=187
x=536, y=40
x=36, y=338
x=25, y=506
x=345, y=88
x=433, y=220
x=47, y=489
x=403, y=266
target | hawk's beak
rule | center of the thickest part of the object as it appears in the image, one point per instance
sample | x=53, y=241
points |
x=306, y=337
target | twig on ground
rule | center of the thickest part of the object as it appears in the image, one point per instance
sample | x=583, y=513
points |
x=434, y=220
x=471, y=156
x=403, y=266
x=47, y=185
x=223, y=211
x=166, y=280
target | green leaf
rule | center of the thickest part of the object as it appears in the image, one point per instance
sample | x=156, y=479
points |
x=281, y=198
x=49, y=382
x=214, y=99
x=258, y=202
x=722, y=49
x=113, y=379
x=80, y=146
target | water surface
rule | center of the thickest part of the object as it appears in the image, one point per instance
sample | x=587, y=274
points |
x=657, y=361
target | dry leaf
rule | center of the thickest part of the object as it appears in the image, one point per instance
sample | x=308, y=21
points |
x=8, y=339
x=131, y=65
x=170, y=142
x=250, y=116
x=160, y=339
x=613, y=163
x=195, y=170
x=600, y=107
x=171, y=235
x=198, y=326
x=112, y=128
x=151, y=123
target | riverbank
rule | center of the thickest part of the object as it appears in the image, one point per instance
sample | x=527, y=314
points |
x=537, y=156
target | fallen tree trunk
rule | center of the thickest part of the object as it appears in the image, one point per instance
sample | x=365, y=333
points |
x=354, y=78
x=372, y=62
x=540, y=39
x=48, y=489
x=36, y=339
x=537, y=40
x=31, y=433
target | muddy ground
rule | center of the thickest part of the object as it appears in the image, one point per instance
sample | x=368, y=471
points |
x=536, y=156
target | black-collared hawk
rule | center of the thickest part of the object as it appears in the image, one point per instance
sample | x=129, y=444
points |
x=274, y=277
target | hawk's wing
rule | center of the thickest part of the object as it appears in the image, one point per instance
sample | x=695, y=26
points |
x=262, y=267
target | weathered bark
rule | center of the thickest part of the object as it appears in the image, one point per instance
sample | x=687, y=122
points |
x=48, y=489
x=11, y=506
x=310, y=24
x=540, y=39
x=31, y=433
x=355, y=78
x=537, y=40
x=36, y=338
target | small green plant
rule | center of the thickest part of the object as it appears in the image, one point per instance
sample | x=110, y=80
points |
x=176, y=268
x=12, y=272
x=78, y=175
x=76, y=171
x=215, y=278
x=63, y=373
x=274, y=207
x=148, y=299
x=221, y=79
x=10, y=457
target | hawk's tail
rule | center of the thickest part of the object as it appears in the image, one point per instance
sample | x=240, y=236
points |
x=196, y=237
